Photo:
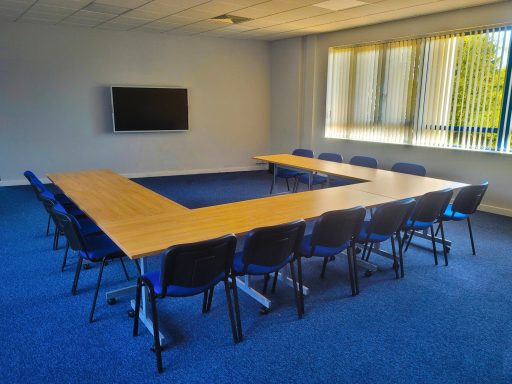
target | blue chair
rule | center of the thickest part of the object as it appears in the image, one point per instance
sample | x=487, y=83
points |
x=333, y=233
x=385, y=224
x=428, y=211
x=267, y=250
x=188, y=270
x=311, y=179
x=95, y=249
x=41, y=191
x=410, y=168
x=364, y=161
x=464, y=205
x=87, y=226
x=287, y=173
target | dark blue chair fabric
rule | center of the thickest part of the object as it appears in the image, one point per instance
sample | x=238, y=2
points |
x=385, y=224
x=364, y=161
x=189, y=270
x=317, y=179
x=428, y=211
x=289, y=173
x=333, y=233
x=409, y=168
x=93, y=248
x=465, y=204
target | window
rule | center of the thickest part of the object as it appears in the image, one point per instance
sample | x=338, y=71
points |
x=451, y=91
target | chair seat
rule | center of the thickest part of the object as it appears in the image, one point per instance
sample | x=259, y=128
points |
x=179, y=291
x=374, y=237
x=305, y=248
x=449, y=214
x=254, y=269
x=99, y=247
x=315, y=179
x=418, y=225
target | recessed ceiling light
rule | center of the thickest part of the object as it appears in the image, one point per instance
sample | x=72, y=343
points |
x=230, y=19
x=337, y=5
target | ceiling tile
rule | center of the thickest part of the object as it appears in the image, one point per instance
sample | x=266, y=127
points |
x=123, y=3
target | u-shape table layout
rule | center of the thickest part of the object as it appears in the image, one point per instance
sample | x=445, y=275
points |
x=143, y=223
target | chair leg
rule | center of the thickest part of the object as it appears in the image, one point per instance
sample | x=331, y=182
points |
x=401, y=254
x=98, y=283
x=433, y=243
x=395, y=260
x=237, y=309
x=65, y=257
x=156, y=332
x=364, y=251
x=54, y=245
x=471, y=236
x=295, y=290
x=137, y=308
x=230, y=310
x=351, y=272
x=445, y=254
x=354, y=263
x=48, y=225
x=274, y=283
x=210, y=299
x=124, y=269
x=369, y=252
x=266, y=278
x=324, y=266
x=438, y=228
x=301, y=285
x=287, y=185
x=205, y=301
x=77, y=275
x=410, y=238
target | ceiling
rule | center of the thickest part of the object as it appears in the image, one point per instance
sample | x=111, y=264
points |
x=269, y=19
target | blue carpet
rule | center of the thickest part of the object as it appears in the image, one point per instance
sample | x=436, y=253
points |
x=437, y=325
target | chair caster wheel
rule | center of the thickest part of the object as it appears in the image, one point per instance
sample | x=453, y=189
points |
x=368, y=273
x=112, y=301
x=264, y=311
x=87, y=266
x=332, y=258
x=131, y=313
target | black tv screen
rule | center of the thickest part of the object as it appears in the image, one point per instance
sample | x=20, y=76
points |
x=137, y=109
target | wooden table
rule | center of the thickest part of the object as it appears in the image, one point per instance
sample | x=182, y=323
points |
x=143, y=223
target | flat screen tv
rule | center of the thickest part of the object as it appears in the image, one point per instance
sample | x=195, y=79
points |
x=141, y=109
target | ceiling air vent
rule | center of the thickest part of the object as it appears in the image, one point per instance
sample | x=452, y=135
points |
x=230, y=19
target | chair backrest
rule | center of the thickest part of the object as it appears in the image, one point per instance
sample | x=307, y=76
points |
x=70, y=226
x=364, y=161
x=37, y=185
x=390, y=217
x=271, y=246
x=410, y=168
x=431, y=205
x=469, y=198
x=336, y=157
x=333, y=229
x=197, y=264
x=303, y=152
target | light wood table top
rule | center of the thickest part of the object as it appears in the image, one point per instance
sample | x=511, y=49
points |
x=144, y=223
x=152, y=234
x=106, y=196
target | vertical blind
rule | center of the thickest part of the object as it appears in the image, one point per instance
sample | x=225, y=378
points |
x=451, y=91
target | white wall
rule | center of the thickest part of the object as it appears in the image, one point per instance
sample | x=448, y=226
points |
x=310, y=56
x=55, y=112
